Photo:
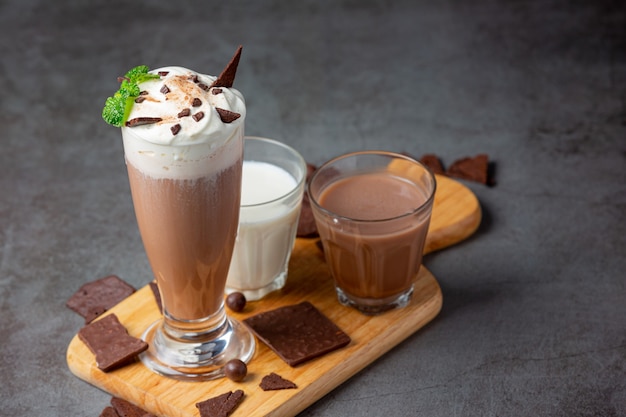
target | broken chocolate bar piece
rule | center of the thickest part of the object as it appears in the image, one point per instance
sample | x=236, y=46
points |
x=96, y=297
x=222, y=405
x=110, y=342
x=433, y=162
x=306, y=222
x=227, y=77
x=273, y=382
x=109, y=412
x=127, y=409
x=472, y=169
x=297, y=333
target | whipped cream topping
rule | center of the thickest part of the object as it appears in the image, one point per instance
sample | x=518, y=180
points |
x=186, y=107
x=175, y=129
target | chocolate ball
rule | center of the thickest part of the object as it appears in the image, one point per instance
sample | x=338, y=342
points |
x=235, y=370
x=236, y=301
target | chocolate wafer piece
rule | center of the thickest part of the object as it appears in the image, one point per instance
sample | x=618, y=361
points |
x=109, y=340
x=94, y=298
x=274, y=382
x=471, y=168
x=109, y=412
x=306, y=222
x=297, y=333
x=433, y=162
x=222, y=405
x=227, y=77
x=127, y=409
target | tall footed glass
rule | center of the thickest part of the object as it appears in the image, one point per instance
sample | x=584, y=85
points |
x=187, y=200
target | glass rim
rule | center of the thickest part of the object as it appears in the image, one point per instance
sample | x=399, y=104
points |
x=428, y=201
x=291, y=150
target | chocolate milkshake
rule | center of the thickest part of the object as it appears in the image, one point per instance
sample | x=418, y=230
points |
x=185, y=178
x=183, y=143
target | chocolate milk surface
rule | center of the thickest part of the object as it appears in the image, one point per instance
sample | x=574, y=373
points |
x=374, y=259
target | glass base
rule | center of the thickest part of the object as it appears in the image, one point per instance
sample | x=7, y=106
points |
x=375, y=306
x=258, y=293
x=201, y=358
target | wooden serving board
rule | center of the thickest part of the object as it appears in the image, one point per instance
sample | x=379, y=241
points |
x=456, y=215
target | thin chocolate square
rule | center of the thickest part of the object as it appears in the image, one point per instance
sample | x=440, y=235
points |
x=297, y=333
x=109, y=340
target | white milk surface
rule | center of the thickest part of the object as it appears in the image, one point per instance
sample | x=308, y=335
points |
x=266, y=231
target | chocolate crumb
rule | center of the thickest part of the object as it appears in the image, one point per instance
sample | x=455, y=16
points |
x=165, y=89
x=140, y=99
x=163, y=73
x=194, y=78
x=198, y=116
x=175, y=129
x=203, y=86
x=216, y=91
x=139, y=121
x=184, y=113
x=227, y=116
x=196, y=102
x=143, y=93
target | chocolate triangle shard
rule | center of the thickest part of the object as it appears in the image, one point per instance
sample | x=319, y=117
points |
x=227, y=77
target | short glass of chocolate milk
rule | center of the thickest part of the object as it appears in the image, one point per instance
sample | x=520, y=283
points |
x=372, y=210
x=185, y=174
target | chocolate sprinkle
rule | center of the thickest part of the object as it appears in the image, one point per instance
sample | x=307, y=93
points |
x=216, y=91
x=175, y=129
x=184, y=113
x=227, y=116
x=194, y=78
x=163, y=73
x=140, y=99
x=139, y=121
x=143, y=93
x=196, y=102
x=198, y=116
x=165, y=89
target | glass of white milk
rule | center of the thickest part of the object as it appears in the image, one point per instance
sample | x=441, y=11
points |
x=271, y=197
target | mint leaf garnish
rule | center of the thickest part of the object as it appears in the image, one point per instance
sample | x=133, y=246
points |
x=117, y=108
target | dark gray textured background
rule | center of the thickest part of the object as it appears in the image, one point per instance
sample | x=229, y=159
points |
x=534, y=314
